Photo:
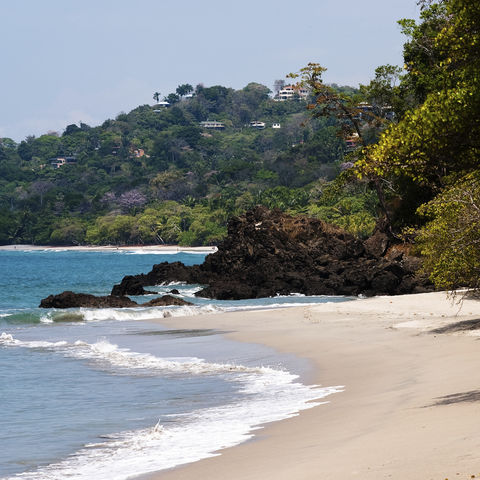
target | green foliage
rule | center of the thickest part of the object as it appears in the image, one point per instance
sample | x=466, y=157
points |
x=436, y=142
x=422, y=55
x=8, y=226
x=167, y=223
x=68, y=232
x=329, y=101
x=202, y=232
x=154, y=175
x=284, y=198
x=184, y=89
x=172, y=98
x=450, y=241
x=352, y=207
x=384, y=92
x=438, y=138
x=429, y=160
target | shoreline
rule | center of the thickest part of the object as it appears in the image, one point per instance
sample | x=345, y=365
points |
x=153, y=249
x=410, y=400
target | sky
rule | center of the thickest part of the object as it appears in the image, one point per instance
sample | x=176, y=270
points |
x=66, y=61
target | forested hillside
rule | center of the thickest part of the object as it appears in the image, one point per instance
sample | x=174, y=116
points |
x=158, y=175
x=399, y=155
x=425, y=166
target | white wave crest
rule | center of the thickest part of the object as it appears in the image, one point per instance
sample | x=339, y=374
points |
x=7, y=339
x=46, y=318
x=106, y=354
x=145, y=313
x=267, y=395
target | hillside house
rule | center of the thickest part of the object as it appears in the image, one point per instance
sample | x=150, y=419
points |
x=290, y=92
x=160, y=106
x=212, y=124
x=58, y=162
x=257, y=125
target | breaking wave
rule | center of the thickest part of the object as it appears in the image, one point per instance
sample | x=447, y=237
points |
x=33, y=316
x=104, y=353
x=264, y=395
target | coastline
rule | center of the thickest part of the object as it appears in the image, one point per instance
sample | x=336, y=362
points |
x=162, y=249
x=410, y=400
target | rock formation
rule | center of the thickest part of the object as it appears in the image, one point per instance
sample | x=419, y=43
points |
x=268, y=252
x=165, y=301
x=69, y=299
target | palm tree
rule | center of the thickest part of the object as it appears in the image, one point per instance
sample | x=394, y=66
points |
x=156, y=96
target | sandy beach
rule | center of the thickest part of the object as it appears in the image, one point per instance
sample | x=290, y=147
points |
x=411, y=402
x=163, y=249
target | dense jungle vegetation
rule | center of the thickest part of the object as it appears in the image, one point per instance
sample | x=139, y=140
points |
x=399, y=154
x=156, y=175
x=425, y=166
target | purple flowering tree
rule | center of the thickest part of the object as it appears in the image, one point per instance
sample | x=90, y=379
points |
x=132, y=200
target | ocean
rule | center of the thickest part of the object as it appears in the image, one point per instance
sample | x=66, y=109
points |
x=106, y=394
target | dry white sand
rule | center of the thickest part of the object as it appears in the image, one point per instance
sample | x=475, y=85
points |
x=411, y=405
x=159, y=249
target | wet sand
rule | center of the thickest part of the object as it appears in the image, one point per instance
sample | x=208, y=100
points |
x=411, y=403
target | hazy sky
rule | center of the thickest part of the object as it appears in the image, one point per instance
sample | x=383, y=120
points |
x=65, y=61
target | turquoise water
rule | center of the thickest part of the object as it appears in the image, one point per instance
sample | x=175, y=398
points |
x=105, y=394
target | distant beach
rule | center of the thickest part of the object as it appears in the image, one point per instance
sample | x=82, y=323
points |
x=111, y=248
x=102, y=393
x=404, y=372
x=410, y=367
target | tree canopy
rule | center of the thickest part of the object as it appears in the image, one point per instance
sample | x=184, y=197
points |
x=420, y=147
x=160, y=158
x=399, y=154
x=430, y=159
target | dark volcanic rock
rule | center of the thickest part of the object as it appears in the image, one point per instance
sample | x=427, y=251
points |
x=74, y=300
x=161, y=273
x=164, y=301
x=268, y=253
x=133, y=285
x=377, y=244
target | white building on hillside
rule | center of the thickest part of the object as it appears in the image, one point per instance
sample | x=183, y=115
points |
x=212, y=124
x=258, y=125
x=289, y=92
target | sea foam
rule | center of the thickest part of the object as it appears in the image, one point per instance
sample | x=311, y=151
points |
x=145, y=313
x=264, y=395
x=104, y=353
